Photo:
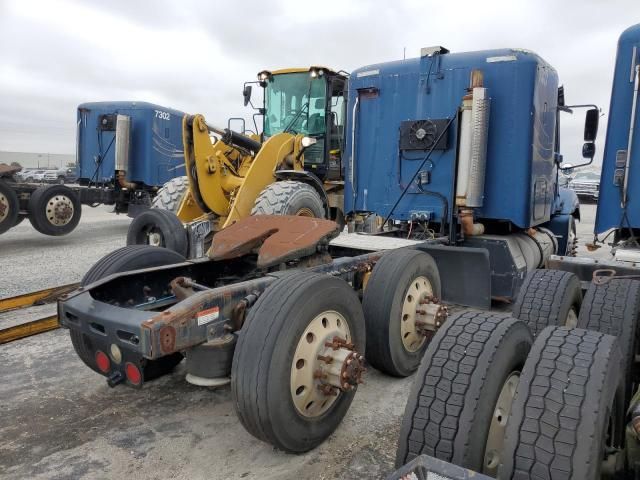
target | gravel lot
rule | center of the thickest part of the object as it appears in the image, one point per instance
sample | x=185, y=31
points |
x=59, y=420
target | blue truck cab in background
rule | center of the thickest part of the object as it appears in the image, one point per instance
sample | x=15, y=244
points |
x=520, y=184
x=150, y=153
x=619, y=202
x=462, y=149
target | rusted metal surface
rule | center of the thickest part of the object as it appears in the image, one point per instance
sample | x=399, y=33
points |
x=276, y=239
x=181, y=288
x=22, y=302
x=344, y=367
x=40, y=297
x=27, y=329
x=198, y=318
x=8, y=170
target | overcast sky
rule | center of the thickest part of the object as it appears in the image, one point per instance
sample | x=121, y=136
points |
x=194, y=55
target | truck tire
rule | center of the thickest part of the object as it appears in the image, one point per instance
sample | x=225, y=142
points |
x=170, y=196
x=9, y=207
x=549, y=297
x=613, y=308
x=54, y=210
x=275, y=392
x=400, y=281
x=559, y=425
x=289, y=198
x=131, y=257
x=158, y=228
x=460, y=399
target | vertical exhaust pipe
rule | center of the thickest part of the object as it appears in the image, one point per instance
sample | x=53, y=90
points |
x=472, y=159
x=123, y=147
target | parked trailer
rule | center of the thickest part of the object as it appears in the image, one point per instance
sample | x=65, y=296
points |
x=553, y=390
x=125, y=152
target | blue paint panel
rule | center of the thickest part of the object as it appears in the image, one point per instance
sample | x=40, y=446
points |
x=609, y=212
x=156, y=153
x=521, y=134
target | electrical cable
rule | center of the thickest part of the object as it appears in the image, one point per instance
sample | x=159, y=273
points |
x=424, y=161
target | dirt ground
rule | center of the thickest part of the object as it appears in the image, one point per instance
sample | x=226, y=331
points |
x=59, y=420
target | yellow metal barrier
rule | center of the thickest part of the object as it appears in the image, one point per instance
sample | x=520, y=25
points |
x=44, y=324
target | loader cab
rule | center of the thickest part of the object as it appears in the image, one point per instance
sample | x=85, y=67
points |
x=310, y=102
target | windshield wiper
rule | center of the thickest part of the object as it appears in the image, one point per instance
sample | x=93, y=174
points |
x=288, y=127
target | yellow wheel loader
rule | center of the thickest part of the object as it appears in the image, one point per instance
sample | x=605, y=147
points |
x=294, y=167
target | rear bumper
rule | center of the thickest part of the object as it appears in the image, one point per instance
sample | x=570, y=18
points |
x=104, y=323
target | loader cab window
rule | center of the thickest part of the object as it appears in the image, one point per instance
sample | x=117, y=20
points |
x=295, y=102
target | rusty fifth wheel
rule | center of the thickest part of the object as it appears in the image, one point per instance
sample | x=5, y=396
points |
x=299, y=360
x=402, y=310
x=54, y=210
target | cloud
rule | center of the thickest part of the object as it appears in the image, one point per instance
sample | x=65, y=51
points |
x=195, y=55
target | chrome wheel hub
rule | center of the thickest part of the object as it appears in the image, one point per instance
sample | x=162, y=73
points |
x=59, y=210
x=154, y=239
x=325, y=363
x=422, y=314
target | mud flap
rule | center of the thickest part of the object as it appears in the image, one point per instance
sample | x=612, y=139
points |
x=465, y=274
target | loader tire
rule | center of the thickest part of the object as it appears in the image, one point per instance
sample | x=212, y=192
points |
x=54, y=210
x=273, y=382
x=159, y=228
x=613, y=308
x=131, y=257
x=563, y=417
x=400, y=280
x=9, y=207
x=170, y=196
x=289, y=198
x=549, y=297
x=462, y=392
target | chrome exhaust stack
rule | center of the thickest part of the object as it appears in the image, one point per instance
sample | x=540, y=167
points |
x=122, y=150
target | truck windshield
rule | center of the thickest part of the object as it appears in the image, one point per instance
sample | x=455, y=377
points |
x=295, y=102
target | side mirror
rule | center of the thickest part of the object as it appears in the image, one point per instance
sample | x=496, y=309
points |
x=591, y=126
x=246, y=93
x=589, y=150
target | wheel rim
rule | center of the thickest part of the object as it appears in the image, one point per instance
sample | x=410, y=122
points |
x=419, y=293
x=322, y=364
x=572, y=318
x=154, y=238
x=4, y=207
x=59, y=210
x=495, y=439
x=305, y=212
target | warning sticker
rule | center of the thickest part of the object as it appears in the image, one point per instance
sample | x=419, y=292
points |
x=208, y=315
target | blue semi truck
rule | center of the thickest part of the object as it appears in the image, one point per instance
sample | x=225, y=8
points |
x=451, y=197
x=561, y=400
x=125, y=151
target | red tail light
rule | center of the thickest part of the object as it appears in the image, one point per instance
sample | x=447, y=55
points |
x=133, y=373
x=103, y=362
